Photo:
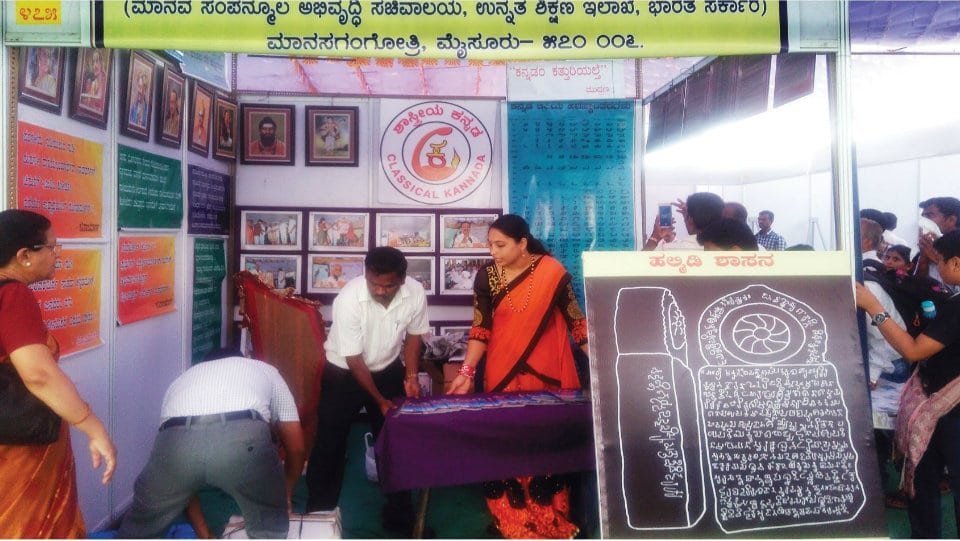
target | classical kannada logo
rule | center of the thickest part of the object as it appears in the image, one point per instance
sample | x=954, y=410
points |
x=436, y=152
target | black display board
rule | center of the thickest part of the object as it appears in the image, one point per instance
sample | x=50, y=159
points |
x=729, y=396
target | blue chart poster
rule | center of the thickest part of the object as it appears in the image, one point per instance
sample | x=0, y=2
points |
x=571, y=176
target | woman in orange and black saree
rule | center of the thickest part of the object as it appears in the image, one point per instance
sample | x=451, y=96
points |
x=38, y=498
x=524, y=312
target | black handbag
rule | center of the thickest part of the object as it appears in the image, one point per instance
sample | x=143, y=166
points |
x=24, y=418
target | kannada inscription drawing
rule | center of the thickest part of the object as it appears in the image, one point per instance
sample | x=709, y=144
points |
x=666, y=493
x=776, y=426
x=753, y=420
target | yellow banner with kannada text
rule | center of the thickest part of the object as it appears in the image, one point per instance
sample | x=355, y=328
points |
x=462, y=29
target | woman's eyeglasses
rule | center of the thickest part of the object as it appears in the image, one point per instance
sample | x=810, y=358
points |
x=56, y=247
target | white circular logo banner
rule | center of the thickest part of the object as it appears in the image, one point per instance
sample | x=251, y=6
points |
x=436, y=152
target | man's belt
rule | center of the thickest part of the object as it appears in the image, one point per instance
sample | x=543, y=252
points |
x=212, y=418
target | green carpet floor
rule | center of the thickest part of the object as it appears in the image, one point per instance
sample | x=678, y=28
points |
x=460, y=512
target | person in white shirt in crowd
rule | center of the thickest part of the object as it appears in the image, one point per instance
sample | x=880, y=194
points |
x=945, y=213
x=880, y=354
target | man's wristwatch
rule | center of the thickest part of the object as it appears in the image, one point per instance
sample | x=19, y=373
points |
x=879, y=318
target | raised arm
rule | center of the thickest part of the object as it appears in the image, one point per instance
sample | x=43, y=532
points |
x=912, y=349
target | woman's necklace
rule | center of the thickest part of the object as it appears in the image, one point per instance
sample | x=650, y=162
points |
x=506, y=288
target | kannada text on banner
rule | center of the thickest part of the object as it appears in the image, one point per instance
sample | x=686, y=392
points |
x=209, y=196
x=209, y=270
x=61, y=177
x=150, y=190
x=70, y=301
x=146, y=278
x=529, y=30
x=571, y=176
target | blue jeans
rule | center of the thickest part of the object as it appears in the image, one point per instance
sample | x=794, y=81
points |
x=944, y=450
x=238, y=457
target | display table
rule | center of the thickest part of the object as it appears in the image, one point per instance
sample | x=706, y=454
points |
x=455, y=440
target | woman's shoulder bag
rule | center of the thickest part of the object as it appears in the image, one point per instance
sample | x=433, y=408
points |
x=24, y=418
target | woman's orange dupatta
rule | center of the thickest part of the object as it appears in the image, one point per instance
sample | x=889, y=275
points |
x=529, y=349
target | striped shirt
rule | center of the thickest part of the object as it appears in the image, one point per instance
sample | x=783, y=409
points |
x=230, y=384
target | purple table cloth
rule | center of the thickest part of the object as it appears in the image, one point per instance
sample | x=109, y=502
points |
x=455, y=440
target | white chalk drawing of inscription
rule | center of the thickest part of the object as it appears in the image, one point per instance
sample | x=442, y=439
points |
x=775, y=423
x=666, y=493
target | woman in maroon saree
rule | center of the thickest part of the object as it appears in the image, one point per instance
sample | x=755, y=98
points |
x=38, y=498
x=524, y=308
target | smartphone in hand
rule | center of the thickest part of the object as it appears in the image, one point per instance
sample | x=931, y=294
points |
x=665, y=214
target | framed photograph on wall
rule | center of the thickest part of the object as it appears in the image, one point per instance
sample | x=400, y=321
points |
x=225, y=134
x=422, y=268
x=462, y=330
x=201, y=107
x=408, y=232
x=330, y=272
x=342, y=231
x=90, y=99
x=270, y=230
x=459, y=273
x=331, y=136
x=41, y=78
x=465, y=232
x=275, y=270
x=139, y=96
x=267, y=134
x=170, y=119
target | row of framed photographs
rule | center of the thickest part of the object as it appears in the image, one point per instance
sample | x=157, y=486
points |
x=41, y=83
x=347, y=231
x=328, y=273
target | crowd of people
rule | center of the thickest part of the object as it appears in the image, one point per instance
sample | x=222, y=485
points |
x=525, y=317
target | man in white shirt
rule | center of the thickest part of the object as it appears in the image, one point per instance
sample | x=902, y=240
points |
x=215, y=429
x=880, y=354
x=376, y=318
x=945, y=212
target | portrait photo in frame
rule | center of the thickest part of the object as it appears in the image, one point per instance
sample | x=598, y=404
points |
x=407, y=232
x=201, y=107
x=225, y=135
x=270, y=230
x=465, y=232
x=40, y=81
x=459, y=273
x=274, y=270
x=90, y=98
x=331, y=136
x=267, y=136
x=341, y=231
x=422, y=268
x=170, y=119
x=330, y=272
x=139, y=96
